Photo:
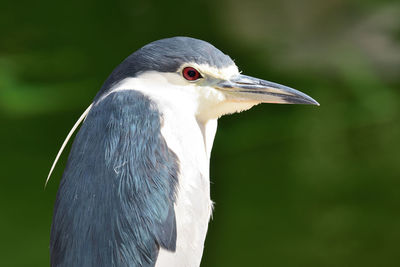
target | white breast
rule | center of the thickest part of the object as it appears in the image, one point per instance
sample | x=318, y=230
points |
x=193, y=206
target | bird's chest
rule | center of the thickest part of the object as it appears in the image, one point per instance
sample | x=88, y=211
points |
x=186, y=138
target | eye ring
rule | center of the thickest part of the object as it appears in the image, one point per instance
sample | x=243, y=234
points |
x=191, y=74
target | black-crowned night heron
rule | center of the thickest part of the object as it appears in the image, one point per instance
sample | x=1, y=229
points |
x=135, y=191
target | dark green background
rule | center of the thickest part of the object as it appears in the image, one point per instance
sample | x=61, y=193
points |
x=293, y=185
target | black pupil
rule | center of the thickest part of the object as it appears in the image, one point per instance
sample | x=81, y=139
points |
x=191, y=73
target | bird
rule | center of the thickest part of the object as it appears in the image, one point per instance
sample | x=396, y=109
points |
x=136, y=189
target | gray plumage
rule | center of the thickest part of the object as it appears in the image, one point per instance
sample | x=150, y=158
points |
x=114, y=206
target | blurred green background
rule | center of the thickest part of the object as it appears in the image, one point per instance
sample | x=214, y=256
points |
x=293, y=185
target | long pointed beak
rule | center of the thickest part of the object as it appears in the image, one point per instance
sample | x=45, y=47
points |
x=246, y=88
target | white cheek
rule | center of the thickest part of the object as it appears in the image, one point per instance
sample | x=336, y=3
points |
x=213, y=104
x=208, y=99
x=172, y=92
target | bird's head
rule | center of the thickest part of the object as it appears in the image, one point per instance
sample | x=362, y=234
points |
x=191, y=73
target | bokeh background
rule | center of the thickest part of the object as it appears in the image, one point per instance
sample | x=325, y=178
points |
x=293, y=185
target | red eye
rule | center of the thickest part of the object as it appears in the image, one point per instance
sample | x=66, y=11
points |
x=191, y=74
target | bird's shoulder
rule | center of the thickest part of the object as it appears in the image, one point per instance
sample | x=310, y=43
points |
x=116, y=198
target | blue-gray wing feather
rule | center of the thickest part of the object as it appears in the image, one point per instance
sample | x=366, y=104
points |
x=115, y=203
